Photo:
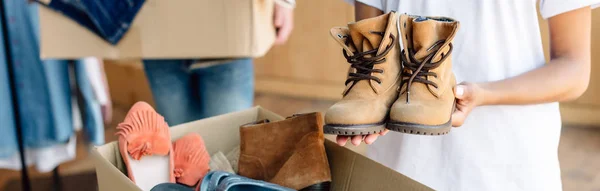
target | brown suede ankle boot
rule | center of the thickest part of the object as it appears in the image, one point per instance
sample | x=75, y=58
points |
x=290, y=152
x=426, y=99
x=372, y=49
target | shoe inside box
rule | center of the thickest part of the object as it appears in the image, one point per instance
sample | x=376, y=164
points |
x=350, y=171
x=150, y=171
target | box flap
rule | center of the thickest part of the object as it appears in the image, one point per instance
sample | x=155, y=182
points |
x=227, y=137
x=351, y=171
x=110, y=169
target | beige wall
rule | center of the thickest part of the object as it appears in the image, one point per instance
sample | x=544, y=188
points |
x=127, y=82
x=311, y=64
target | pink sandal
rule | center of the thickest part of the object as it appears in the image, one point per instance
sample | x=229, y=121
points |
x=145, y=146
x=191, y=160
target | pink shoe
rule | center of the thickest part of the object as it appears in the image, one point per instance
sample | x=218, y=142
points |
x=191, y=160
x=145, y=146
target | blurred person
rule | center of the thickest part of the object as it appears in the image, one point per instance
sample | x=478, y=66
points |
x=507, y=106
x=48, y=93
x=188, y=90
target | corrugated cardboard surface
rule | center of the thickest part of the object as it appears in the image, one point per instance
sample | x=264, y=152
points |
x=350, y=171
x=170, y=29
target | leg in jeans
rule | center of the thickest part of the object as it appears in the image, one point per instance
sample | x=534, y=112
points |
x=171, y=84
x=182, y=94
x=225, y=88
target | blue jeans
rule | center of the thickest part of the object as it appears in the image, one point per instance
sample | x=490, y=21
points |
x=8, y=142
x=43, y=89
x=183, y=94
x=109, y=19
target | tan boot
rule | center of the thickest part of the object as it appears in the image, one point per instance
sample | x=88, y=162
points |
x=290, y=153
x=371, y=47
x=426, y=100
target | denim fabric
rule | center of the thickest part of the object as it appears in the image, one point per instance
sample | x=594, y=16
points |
x=182, y=94
x=31, y=77
x=92, y=123
x=109, y=19
x=43, y=87
x=171, y=187
x=224, y=181
x=8, y=139
x=240, y=183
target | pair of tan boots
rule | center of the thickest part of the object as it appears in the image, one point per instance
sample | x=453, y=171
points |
x=408, y=90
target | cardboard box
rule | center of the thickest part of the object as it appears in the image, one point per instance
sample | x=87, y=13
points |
x=169, y=29
x=350, y=171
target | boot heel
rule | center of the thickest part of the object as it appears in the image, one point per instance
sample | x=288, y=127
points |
x=323, y=186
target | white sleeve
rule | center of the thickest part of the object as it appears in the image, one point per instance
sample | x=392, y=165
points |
x=95, y=75
x=373, y=3
x=550, y=8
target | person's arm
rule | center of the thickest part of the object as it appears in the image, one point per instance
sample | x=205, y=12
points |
x=565, y=77
x=283, y=20
x=107, y=108
x=363, y=11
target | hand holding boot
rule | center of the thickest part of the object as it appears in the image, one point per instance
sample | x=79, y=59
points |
x=468, y=96
x=356, y=140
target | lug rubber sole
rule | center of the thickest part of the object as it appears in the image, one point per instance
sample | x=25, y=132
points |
x=420, y=129
x=323, y=186
x=364, y=129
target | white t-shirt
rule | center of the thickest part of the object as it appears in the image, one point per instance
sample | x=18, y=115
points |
x=498, y=147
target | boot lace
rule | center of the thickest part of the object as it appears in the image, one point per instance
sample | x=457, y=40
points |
x=420, y=70
x=363, y=62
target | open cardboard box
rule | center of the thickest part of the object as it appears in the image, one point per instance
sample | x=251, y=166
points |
x=169, y=29
x=350, y=171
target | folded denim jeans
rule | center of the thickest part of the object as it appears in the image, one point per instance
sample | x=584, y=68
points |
x=239, y=183
x=171, y=187
x=109, y=19
x=224, y=181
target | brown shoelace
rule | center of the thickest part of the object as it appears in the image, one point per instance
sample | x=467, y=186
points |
x=420, y=70
x=363, y=62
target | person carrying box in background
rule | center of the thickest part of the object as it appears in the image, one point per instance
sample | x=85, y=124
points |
x=507, y=106
x=188, y=90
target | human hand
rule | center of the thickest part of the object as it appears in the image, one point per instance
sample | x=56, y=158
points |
x=107, y=113
x=356, y=140
x=283, y=20
x=468, y=96
x=106, y=108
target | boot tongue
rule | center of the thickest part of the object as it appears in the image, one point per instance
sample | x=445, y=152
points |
x=424, y=36
x=362, y=34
